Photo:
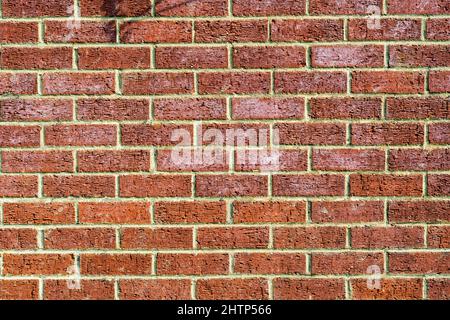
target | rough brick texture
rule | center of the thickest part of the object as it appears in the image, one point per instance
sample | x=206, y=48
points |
x=224, y=149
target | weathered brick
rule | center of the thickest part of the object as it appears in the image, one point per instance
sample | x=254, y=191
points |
x=308, y=185
x=156, y=239
x=231, y=31
x=191, y=57
x=387, y=82
x=79, y=186
x=388, y=185
x=192, y=264
x=231, y=289
x=37, y=161
x=114, y=212
x=80, y=31
x=309, y=238
x=345, y=108
x=233, y=238
x=310, y=82
x=113, y=161
x=269, y=212
x=155, y=289
x=190, y=212
x=116, y=264
x=347, y=211
x=348, y=159
x=18, y=32
x=113, y=58
x=311, y=30
x=347, y=56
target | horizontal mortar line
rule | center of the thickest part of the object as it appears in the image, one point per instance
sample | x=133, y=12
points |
x=47, y=124
x=242, y=198
x=227, y=18
x=47, y=227
x=223, y=276
x=126, y=71
x=187, y=172
x=222, y=251
x=223, y=44
x=225, y=171
x=230, y=148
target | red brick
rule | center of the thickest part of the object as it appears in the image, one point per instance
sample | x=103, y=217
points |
x=79, y=186
x=18, y=186
x=18, y=83
x=156, y=239
x=37, y=8
x=37, y=161
x=390, y=289
x=29, y=110
x=231, y=31
x=80, y=239
x=419, y=211
x=268, y=57
x=114, y=213
x=309, y=238
x=439, y=81
x=308, y=289
x=387, y=134
x=387, y=237
x=153, y=135
x=268, y=7
x=308, y=185
x=123, y=8
x=232, y=289
x=269, y=212
x=116, y=264
x=143, y=83
x=343, y=7
x=387, y=82
x=36, y=58
x=154, y=31
x=439, y=237
x=439, y=185
x=113, y=109
x=347, y=56
x=19, y=289
x=114, y=58
x=192, y=160
x=270, y=263
x=387, y=185
x=190, y=212
x=233, y=238
x=18, y=32
x=310, y=82
x=155, y=186
x=347, y=211
x=439, y=133
x=417, y=108
x=249, y=134
x=181, y=8
x=81, y=135
x=312, y=133
x=231, y=185
x=189, y=109
x=113, y=161
x=419, y=7
x=77, y=31
x=268, y=108
x=37, y=264
x=192, y=264
x=387, y=29
x=310, y=30
x=233, y=82
x=20, y=136
x=345, y=108
x=155, y=289
x=419, y=159
x=288, y=160
x=89, y=290
x=18, y=239
x=419, y=262
x=39, y=213
x=191, y=57
x=345, y=262
x=78, y=83
x=438, y=29
x=419, y=56
x=438, y=289
x=348, y=159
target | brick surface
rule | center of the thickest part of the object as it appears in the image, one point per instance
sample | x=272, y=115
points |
x=224, y=149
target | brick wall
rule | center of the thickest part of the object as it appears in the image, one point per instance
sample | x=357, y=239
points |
x=356, y=92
